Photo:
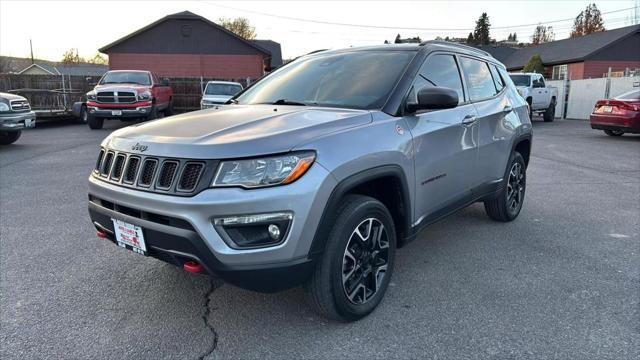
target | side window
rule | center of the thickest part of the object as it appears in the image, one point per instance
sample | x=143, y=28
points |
x=497, y=80
x=478, y=79
x=438, y=70
x=537, y=81
x=541, y=80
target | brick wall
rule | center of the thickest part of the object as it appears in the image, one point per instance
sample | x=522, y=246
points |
x=191, y=65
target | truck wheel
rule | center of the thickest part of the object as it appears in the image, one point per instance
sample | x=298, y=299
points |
x=550, y=113
x=153, y=113
x=530, y=109
x=352, y=276
x=9, y=137
x=614, y=132
x=84, y=115
x=94, y=122
x=169, y=110
x=507, y=204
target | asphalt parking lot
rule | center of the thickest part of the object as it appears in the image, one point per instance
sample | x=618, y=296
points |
x=562, y=281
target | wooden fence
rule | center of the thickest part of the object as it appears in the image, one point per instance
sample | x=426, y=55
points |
x=187, y=92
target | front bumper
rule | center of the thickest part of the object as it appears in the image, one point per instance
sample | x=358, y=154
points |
x=140, y=111
x=19, y=121
x=178, y=229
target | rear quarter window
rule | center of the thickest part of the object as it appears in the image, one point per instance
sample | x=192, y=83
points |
x=478, y=78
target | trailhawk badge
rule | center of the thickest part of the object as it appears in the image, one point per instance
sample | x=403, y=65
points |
x=139, y=147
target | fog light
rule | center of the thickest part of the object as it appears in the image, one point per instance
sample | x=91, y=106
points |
x=257, y=230
x=274, y=232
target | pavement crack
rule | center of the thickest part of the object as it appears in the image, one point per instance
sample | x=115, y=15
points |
x=214, y=285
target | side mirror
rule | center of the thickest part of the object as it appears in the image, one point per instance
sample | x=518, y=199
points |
x=165, y=81
x=434, y=98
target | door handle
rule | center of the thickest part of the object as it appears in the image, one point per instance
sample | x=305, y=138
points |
x=469, y=120
x=507, y=109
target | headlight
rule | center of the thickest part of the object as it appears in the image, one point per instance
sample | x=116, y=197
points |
x=4, y=106
x=267, y=171
x=91, y=95
x=144, y=96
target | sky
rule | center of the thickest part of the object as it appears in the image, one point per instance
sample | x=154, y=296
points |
x=55, y=26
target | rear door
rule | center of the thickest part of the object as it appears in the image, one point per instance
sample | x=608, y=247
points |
x=445, y=141
x=490, y=108
x=538, y=92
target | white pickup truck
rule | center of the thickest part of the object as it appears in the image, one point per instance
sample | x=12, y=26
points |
x=542, y=99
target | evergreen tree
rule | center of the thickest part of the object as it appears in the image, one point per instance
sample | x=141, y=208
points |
x=534, y=65
x=481, y=32
x=470, y=39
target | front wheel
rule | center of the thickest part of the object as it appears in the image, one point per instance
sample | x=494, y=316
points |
x=352, y=276
x=614, y=132
x=507, y=204
x=9, y=137
x=153, y=113
x=94, y=122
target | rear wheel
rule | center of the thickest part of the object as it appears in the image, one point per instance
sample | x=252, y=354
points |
x=9, y=137
x=352, y=276
x=507, y=204
x=94, y=122
x=550, y=113
x=153, y=113
x=529, y=101
x=614, y=132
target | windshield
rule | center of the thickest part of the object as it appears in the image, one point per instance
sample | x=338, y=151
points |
x=134, y=77
x=633, y=95
x=521, y=80
x=359, y=80
x=222, y=89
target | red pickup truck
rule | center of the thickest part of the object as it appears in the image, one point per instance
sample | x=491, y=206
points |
x=127, y=94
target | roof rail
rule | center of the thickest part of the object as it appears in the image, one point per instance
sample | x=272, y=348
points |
x=458, y=45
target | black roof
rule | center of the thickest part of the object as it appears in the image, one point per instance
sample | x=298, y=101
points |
x=273, y=48
x=568, y=50
x=185, y=15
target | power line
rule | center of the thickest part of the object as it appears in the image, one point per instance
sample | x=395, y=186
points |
x=395, y=27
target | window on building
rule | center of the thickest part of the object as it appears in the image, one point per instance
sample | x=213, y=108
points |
x=559, y=72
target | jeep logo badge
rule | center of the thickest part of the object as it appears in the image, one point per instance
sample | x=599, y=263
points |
x=139, y=147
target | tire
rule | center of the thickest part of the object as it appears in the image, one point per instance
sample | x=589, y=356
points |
x=507, y=204
x=530, y=109
x=9, y=137
x=614, y=132
x=84, y=115
x=94, y=122
x=153, y=113
x=550, y=113
x=348, y=253
x=169, y=110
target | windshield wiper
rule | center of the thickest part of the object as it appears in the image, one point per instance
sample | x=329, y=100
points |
x=287, y=102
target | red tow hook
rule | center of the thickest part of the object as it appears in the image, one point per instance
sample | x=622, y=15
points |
x=192, y=267
x=101, y=234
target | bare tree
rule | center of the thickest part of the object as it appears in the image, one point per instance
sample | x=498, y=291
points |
x=239, y=26
x=542, y=34
x=588, y=21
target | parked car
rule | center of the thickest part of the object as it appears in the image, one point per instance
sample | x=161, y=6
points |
x=618, y=115
x=127, y=94
x=15, y=115
x=219, y=92
x=316, y=173
x=542, y=99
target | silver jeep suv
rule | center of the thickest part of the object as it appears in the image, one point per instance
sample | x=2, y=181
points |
x=317, y=173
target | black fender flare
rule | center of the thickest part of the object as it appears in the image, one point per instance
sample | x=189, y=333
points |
x=348, y=184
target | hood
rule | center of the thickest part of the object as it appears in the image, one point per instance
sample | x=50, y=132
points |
x=121, y=87
x=9, y=96
x=235, y=131
x=217, y=98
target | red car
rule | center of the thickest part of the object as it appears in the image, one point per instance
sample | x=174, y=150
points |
x=618, y=115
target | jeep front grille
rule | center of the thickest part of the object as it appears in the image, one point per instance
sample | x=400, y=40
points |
x=183, y=177
x=119, y=97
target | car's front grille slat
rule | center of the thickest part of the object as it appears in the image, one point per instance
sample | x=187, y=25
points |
x=119, y=97
x=172, y=176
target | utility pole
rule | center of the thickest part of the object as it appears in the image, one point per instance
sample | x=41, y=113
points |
x=31, y=46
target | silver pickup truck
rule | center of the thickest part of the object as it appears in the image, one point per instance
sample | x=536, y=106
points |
x=15, y=115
